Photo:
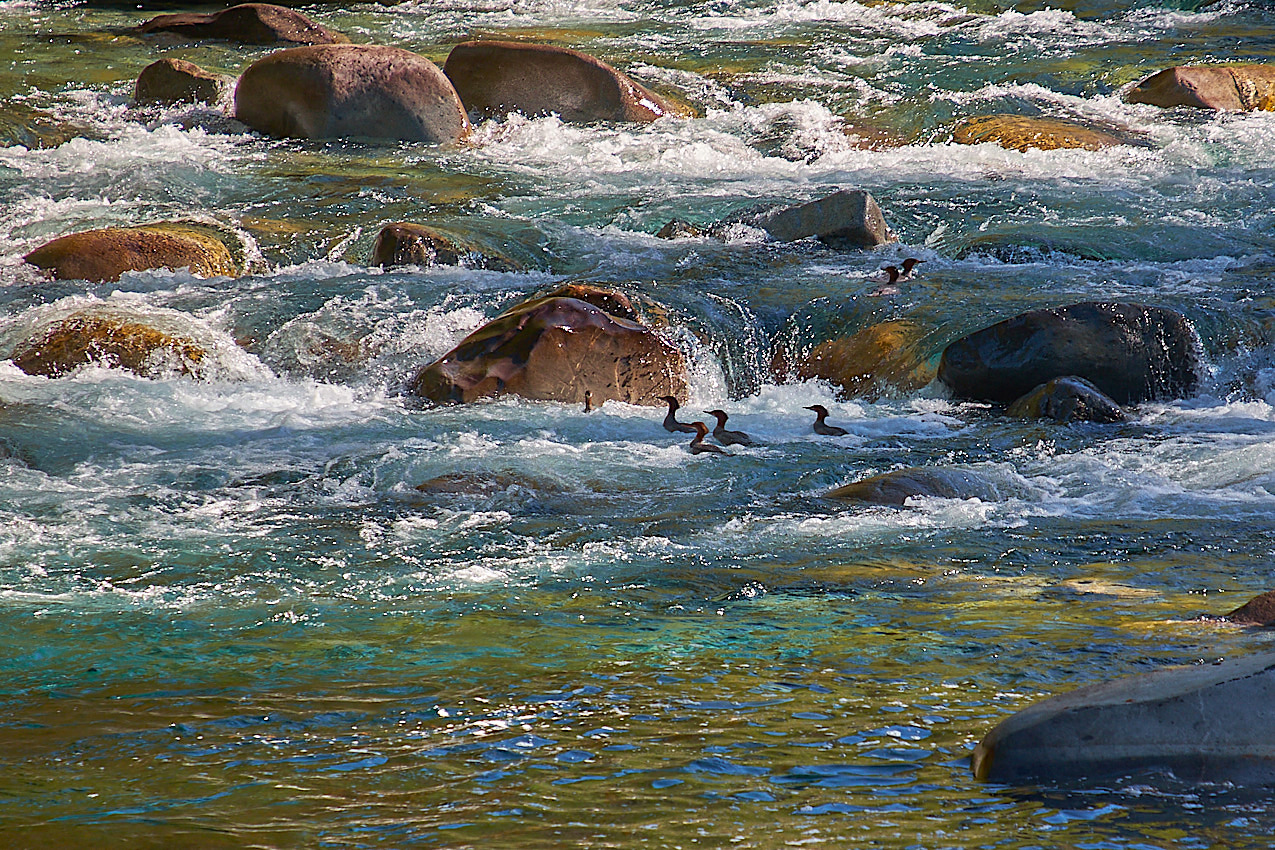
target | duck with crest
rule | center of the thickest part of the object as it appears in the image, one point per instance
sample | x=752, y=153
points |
x=822, y=427
x=725, y=437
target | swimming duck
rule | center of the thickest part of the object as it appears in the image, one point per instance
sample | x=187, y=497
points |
x=821, y=427
x=698, y=446
x=670, y=420
x=728, y=438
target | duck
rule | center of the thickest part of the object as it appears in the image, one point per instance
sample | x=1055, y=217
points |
x=728, y=438
x=588, y=401
x=821, y=427
x=895, y=275
x=698, y=446
x=670, y=420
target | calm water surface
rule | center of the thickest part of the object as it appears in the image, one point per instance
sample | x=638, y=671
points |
x=231, y=620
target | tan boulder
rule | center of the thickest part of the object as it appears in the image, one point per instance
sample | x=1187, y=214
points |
x=246, y=23
x=495, y=78
x=103, y=255
x=556, y=349
x=876, y=359
x=342, y=90
x=178, y=81
x=1020, y=132
x=87, y=337
x=1236, y=88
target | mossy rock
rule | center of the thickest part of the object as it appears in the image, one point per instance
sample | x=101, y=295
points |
x=1020, y=132
x=104, y=255
x=87, y=338
x=871, y=362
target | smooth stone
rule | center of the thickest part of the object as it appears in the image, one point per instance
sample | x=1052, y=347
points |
x=89, y=337
x=1258, y=611
x=1205, y=723
x=178, y=81
x=246, y=23
x=350, y=90
x=1130, y=352
x=104, y=255
x=848, y=219
x=898, y=485
x=555, y=349
x=405, y=243
x=1067, y=399
x=36, y=129
x=1236, y=88
x=874, y=361
x=495, y=78
x=1019, y=132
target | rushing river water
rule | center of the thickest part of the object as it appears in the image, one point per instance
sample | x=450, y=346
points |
x=230, y=618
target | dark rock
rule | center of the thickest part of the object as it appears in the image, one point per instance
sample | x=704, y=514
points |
x=678, y=229
x=847, y=220
x=495, y=78
x=177, y=81
x=350, y=90
x=103, y=255
x=898, y=485
x=1130, y=352
x=1241, y=88
x=1020, y=132
x=1258, y=611
x=1067, y=399
x=246, y=23
x=403, y=244
x=119, y=342
x=1205, y=723
x=554, y=349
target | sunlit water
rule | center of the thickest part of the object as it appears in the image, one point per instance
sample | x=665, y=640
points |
x=232, y=619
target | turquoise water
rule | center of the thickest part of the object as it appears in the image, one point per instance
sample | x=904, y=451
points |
x=233, y=620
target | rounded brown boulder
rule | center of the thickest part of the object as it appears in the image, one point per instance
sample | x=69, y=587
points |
x=246, y=23
x=1131, y=352
x=104, y=255
x=1235, y=88
x=350, y=90
x=87, y=337
x=873, y=361
x=178, y=81
x=897, y=486
x=1020, y=132
x=495, y=78
x=556, y=349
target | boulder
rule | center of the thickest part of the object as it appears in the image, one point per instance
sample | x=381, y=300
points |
x=874, y=360
x=178, y=81
x=849, y=219
x=1207, y=723
x=1130, y=352
x=404, y=244
x=340, y=90
x=1258, y=611
x=36, y=129
x=246, y=23
x=1237, y=88
x=103, y=255
x=87, y=337
x=1067, y=399
x=1020, y=132
x=898, y=485
x=555, y=349
x=495, y=78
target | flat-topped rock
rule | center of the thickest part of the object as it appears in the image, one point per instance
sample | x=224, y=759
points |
x=105, y=254
x=246, y=23
x=847, y=219
x=495, y=78
x=1234, y=88
x=1130, y=352
x=1208, y=722
x=172, y=80
x=1021, y=132
x=333, y=91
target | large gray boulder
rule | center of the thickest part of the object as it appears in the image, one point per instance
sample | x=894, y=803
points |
x=848, y=219
x=495, y=78
x=1210, y=722
x=1131, y=352
x=350, y=90
x=1235, y=88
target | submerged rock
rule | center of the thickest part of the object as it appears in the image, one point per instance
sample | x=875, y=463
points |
x=1204, y=723
x=874, y=360
x=246, y=23
x=1258, y=611
x=404, y=243
x=556, y=349
x=36, y=129
x=1236, y=88
x=103, y=255
x=350, y=90
x=1131, y=352
x=1067, y=399
x=1020, y=132
x=178, y=81
x=89, y=337
x=848, y=219
x=495, y=78
x=898, y=485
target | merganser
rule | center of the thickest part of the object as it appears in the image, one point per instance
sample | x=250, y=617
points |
x=821, y=427
x=670, y=421
x=728, y=438
x=698, y=446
